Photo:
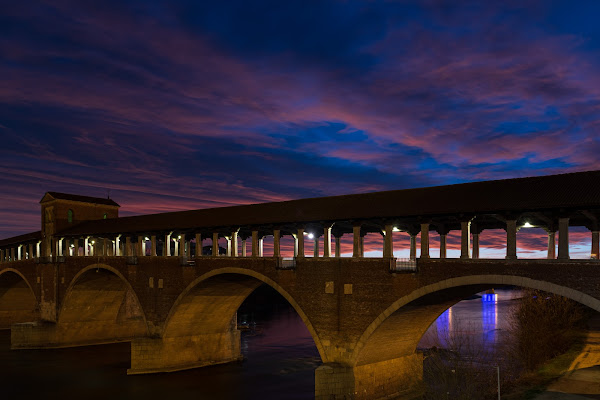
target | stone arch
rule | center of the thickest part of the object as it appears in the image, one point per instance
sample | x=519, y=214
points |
x=100, y=306
x=230, y=279
x=18, y=302
x=424, y=314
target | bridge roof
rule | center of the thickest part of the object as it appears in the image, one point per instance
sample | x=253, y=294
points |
x=556, y=193
x=76, y=197
x=22, y=239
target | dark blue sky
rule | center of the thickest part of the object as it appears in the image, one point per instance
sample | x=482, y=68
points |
x=185, y=104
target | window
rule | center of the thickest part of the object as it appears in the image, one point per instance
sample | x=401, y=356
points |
x=105, y=216
x=70, y=216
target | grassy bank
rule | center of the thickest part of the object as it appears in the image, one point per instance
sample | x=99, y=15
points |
x=533, y=383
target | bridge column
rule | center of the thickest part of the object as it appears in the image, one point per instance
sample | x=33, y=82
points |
x=563, y=238
x=198, y=245
x=338, y=246
x=176, y=250
x=255, y=244
x=141, y=245
x=261, y=242
x=167, y=246
x=183, y=250
x=244, y=249
x=475, y=231
x=551, y=245
x=66, y=248
x=356, y=241
x=388, y=241
x=1, y=255
x=595, y=245
x=511, y=239
x=75, y=247
x=475, y=245
x=295, y=236
x=234, y=244
x=425, y=240
x=153, y=252
x=128, y=249
x=443, y=239
x=12, y=254
x=86, y=250
x=362, y=245
x=300, y=242
x=228, y=245
x=118, y=246
x=276, y=246
x=215, y=244
x=316, y=246
x=465, y=239
x=105, y=251
x=20, y=252
x=327, y=241
x=413, y=246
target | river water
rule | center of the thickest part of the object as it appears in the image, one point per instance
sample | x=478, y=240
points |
x=280, y=358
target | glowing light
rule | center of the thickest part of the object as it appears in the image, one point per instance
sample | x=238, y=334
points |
x=311, y=236
x=527, y=225
x=394, y=229
x=489, y=297
x=146, y=238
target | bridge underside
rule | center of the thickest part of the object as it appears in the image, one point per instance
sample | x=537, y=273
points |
x=388, y=364
x=99, y=308
x=17, y=301
x=201, y=330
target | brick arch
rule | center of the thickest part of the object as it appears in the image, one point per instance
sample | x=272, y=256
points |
x=249, y=281
x=18, y=302
x=22, y=277
x=103, y=299
x=425, y=318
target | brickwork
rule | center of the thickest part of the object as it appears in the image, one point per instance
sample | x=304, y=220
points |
x=187, y=320
x=184, y=352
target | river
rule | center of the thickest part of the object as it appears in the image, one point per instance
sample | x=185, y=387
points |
x=280, y=358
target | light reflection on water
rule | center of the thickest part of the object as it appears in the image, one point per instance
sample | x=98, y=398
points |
x=484, y=319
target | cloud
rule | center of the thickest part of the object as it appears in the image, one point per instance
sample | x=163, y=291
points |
x=178, y=105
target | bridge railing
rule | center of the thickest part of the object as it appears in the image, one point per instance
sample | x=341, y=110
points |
x=403, y=265
x=286, y=263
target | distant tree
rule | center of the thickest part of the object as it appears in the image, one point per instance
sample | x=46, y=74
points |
x=545, y=326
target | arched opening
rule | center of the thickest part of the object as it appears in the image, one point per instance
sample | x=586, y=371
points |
x=100, y=306
x=393, y=338
x=70, y=216
x=202, y=326
x=17, y=300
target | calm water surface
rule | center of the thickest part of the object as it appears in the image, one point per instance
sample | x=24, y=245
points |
x=279, y=351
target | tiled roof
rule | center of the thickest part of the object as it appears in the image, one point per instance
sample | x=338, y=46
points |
x=84, y=199
x=555, y=192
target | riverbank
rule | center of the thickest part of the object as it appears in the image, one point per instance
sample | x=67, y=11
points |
x=574, y=375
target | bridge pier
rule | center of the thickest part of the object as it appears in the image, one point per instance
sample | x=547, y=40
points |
x=150, y=355
x=41, y=334
x=379, y=380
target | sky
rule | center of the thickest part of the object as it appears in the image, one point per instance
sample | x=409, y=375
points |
x=177, y=105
